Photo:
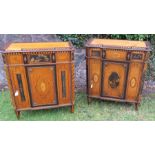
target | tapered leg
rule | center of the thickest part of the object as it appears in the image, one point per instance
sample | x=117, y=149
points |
x=136, y=106
x=17, y=114
x=72, y=109
x=89, y=100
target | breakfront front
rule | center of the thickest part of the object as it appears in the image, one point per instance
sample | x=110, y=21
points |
x=115, y=69
x=40, y=75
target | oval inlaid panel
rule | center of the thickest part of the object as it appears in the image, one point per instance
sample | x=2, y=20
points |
x=133, y=82
x=42, y=86
x=95, y=78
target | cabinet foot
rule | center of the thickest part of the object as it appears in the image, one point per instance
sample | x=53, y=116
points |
x=72, y=109
x=17, y=114
x=136, y=106
x=89, y=100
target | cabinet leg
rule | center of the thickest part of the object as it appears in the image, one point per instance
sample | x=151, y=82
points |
x=17, y=114
x=89, y=100
x=136, y=106
x=72, y=109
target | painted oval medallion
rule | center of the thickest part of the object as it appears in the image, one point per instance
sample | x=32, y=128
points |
x=133, y=82
x=95, y=78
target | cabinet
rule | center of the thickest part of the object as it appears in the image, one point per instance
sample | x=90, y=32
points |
x=40, y=75
x=115, y=69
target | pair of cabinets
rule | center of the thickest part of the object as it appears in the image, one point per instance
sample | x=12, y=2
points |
x=41, y=75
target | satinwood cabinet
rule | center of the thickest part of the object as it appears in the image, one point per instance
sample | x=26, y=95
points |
x=115, y=69
x=40, y=75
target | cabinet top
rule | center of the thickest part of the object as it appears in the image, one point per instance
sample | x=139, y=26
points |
x=39, y=46
x=119, y=44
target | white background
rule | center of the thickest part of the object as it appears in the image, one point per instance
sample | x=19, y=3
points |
x=77, y=16
x=80, y=16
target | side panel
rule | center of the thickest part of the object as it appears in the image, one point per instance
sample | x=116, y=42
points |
x=136, y=68
x=19, y=82
x=63, y=83
x=134, y=78
x=94, y=72
x=116, y=54
x=63, y=74
x=10, y=87
x=5, y=58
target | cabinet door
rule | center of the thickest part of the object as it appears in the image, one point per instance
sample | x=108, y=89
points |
x=18, y=80
x=94, y=71
x=20, y=87
x=63, y=72
x=114, y=79
x=134, y=78
x=42, y=85
x=94, y=77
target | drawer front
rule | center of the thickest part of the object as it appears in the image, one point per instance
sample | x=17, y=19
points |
x=114, y=79
x=116, y=55
x=39, y=58
x=15, y=59
x=63, y=56
x=137, y=56
x=42, y=85
x=63, y=73
x=95, y=52
x=18, y=80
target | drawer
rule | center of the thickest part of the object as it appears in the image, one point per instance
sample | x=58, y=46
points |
x=63, y=56
x=116, y=54
x=14, y=59
x=137, y=56
x=38, y=58
x=95, y=52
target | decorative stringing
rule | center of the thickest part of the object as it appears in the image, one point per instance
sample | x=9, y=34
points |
x=21, y=89
x=63, y=79
x=73, y=83
x=41, y=50
x=119, y=47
